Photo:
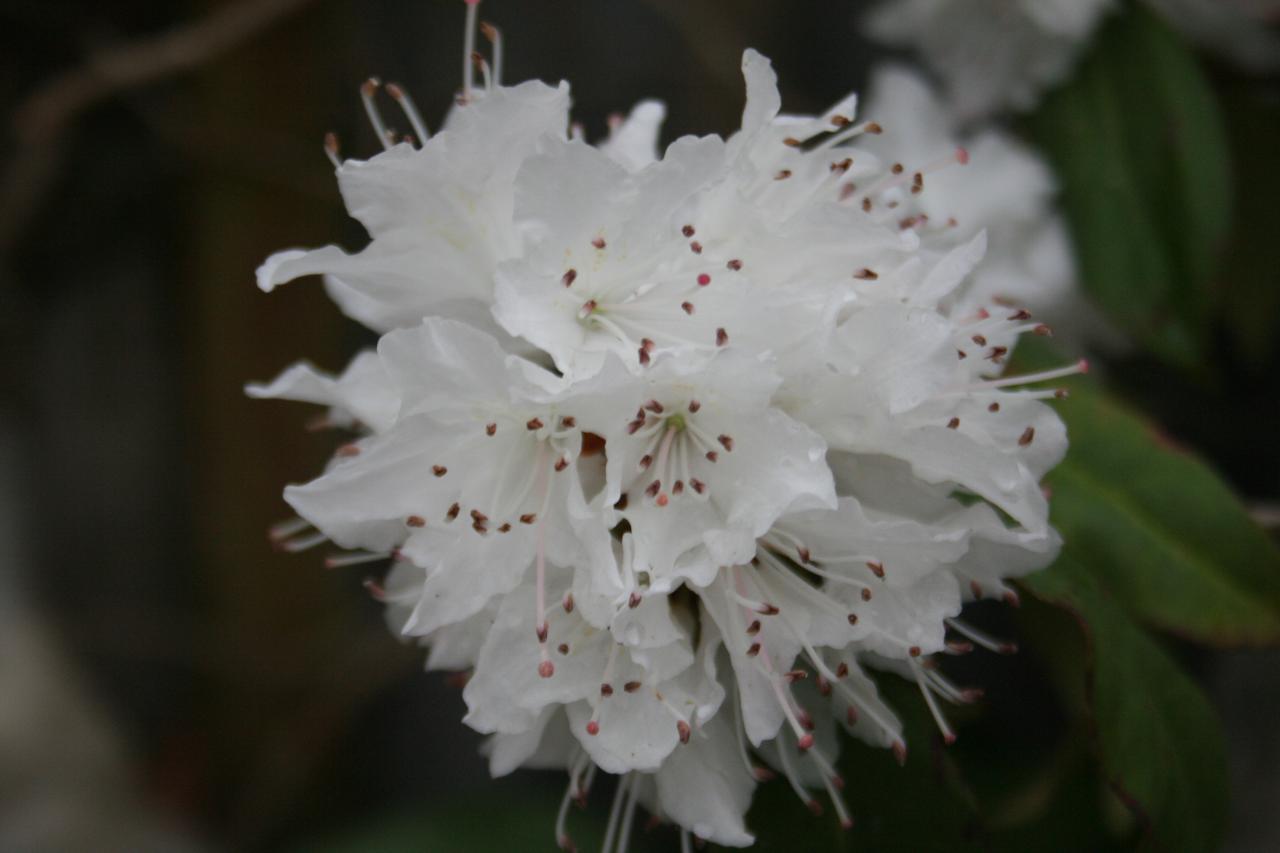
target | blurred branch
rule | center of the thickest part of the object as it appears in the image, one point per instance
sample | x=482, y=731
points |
x=1267, y=516
x=40, y=121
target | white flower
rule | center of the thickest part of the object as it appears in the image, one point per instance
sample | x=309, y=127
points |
x=1004, y=54
x=727, y=434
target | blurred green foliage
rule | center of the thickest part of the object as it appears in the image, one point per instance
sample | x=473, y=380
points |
x=1138, y=144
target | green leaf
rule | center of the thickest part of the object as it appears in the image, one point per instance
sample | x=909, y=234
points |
x=1158, y=739
x=1139, y=148
x=1161, y=531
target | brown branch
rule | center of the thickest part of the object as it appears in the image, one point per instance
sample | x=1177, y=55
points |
x=39, y=122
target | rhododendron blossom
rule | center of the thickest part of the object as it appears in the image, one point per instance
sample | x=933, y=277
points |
x=670, y=453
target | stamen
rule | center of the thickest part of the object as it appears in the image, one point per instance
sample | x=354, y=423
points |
x=494, y=37
x=367, y=91
x=480, y=63
x=302, y=543
x=331, y=149
x=1000, y=647
x=282, y=530
x=1081, y=366
x=355, y=558
x=468, y=48
x=948, y=736
x=401, y=97
x=615, y=812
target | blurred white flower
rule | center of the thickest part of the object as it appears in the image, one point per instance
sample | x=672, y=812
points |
x=994, y=55
x=733, y=428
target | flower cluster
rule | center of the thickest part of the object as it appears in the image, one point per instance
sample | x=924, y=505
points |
x=666, y=451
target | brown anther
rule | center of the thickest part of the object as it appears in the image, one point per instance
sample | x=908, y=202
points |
x=694, y=405
x=897, y=168
x=954, y=423
x=683, y=729
x=804, y=554
x=734, y=265
x=866, y=205
x=1028, y=435
x=567, y=604
x=568, y=422
x=1020, y=314
x=560, y=465
x=993, y=408
x=480, y=527
x=998, y=353
x=875, y=127
x=782, y=175
x=917, y=183
x=838, y=120
x=961, y=354
x=1061, y=394
x=644, y=357
x=853, y=618
x=753, y=650
x=792, y=142
x=416, y=521
x=796, y=675
x=478, y=516
x=753, y=628
x=569, y=277
x=842, y=670
x=490, y=429
x=677, y=488
x=980, y=340
x=842, y=166
x=687, y=230
x=687, y=307
x=439, y=470
x=655, y=407
x=1043, y=331
x=346, y=451
x=767, y=609
x=866, y=595
x=851, y=715
x=877, y=568
x=633, y=601
x=631, y=686
x=654, y=488
x=712, y=456
x=541, y=632
x=453, y=512
x=606, y=689
x=824, y=686
x=645, y=461
x=563, y=648
x=529, y=518
x=914, y=651
x=505, y=527
x=865, y=274
x=697, y=485
x=695, y=247
x=647, y=344
x=598, y=242
x=726, y=441
x=533, y=424
x=722, y=337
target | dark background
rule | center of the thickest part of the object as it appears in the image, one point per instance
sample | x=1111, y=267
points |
x=170, y=682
